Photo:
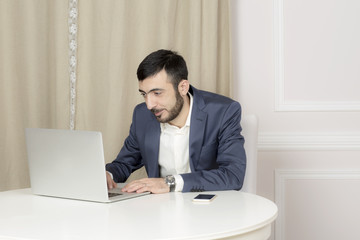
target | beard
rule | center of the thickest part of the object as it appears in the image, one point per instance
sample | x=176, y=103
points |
x=173, y=112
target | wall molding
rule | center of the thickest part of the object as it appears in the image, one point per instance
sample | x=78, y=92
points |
x=296, y=141
x=282, y=175
x=281, y=104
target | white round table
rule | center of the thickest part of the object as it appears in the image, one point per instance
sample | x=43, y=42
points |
x=231, y=215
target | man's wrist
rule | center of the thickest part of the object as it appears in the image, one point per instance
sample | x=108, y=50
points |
x=111, y=175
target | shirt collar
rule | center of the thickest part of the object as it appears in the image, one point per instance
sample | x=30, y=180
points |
x=188, y=119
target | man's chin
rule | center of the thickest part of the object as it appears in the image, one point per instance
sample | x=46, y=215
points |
x=160, y=120
x=165, y=119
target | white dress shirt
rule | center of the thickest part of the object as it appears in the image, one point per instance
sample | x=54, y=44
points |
x=174, y=150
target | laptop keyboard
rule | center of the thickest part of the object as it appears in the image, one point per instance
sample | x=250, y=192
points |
x=114, y=194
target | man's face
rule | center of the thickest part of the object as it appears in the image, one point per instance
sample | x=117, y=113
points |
x=160, y=97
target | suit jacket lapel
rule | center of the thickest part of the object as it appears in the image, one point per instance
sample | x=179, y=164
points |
x=152, y=141
x=197, y=128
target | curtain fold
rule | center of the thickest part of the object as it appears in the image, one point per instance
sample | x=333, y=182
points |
x=34, y=88
x=112, y=39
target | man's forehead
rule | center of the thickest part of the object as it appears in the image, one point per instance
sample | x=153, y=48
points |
x=158, y=81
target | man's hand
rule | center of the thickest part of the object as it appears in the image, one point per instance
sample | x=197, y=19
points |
x=153, y=185
x=110, y=182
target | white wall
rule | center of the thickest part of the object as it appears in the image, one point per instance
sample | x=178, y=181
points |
x=297, y=65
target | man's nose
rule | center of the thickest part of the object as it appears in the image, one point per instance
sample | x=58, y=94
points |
x=150, y=102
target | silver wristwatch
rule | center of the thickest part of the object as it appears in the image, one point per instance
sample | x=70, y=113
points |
x=170, y=181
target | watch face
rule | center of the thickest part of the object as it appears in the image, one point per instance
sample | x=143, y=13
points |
x=170, y=180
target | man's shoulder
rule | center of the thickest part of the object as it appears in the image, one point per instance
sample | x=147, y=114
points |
x=210, y=98
x=142, y=112
x=140, y=107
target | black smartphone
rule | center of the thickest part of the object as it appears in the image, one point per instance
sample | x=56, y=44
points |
x=204, y=198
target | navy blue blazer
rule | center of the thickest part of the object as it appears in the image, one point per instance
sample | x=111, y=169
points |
x=216, y=147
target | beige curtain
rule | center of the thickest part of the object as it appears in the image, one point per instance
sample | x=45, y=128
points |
x=113, y=37
x=34, y=89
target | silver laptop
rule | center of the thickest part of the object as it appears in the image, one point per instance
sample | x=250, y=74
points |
x=69, y=164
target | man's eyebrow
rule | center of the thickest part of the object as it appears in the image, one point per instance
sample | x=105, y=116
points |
x=152, y=90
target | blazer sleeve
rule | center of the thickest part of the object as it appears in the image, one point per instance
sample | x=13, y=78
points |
x=129, y=158
x=228, y=154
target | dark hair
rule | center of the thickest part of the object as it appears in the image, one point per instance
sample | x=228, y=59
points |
x=174, y=65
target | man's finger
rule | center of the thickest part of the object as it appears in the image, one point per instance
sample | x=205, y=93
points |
x=110, y=182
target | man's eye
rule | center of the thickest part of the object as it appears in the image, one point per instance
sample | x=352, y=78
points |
x=143, y=94
x=157, y=93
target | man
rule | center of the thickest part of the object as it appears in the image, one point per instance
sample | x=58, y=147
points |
x=187, y=139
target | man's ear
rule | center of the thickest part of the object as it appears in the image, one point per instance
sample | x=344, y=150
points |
x=183, y=87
